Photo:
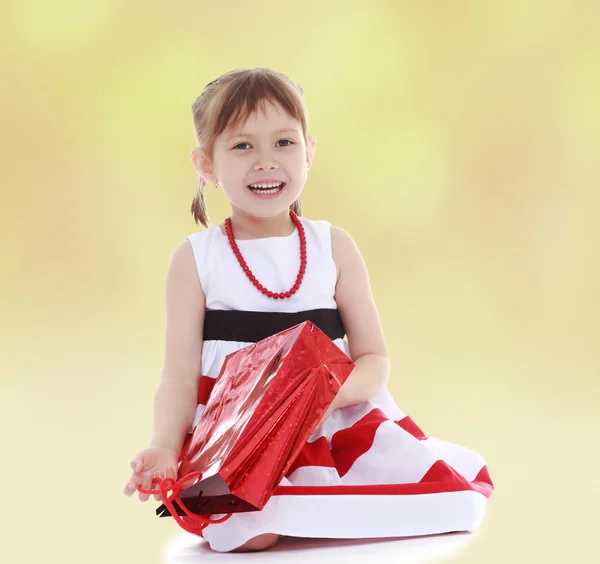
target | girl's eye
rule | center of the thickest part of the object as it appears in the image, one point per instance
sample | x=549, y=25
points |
x=284, y=140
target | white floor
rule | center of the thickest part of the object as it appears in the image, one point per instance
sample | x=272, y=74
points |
x=187, y=549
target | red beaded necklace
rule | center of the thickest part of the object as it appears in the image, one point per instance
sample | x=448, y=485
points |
x=250, y=275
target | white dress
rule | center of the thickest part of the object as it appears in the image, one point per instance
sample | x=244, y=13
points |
x=368, y=471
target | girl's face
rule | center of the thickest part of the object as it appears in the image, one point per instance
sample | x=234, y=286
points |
x=268, y=149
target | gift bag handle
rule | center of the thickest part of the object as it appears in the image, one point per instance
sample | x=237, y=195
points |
x=168, y=484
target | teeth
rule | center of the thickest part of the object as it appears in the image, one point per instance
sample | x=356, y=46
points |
x=274, y=191
x=269, y=185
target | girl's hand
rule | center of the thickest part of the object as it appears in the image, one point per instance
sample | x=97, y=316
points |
x=331, y=408
x=153, y=462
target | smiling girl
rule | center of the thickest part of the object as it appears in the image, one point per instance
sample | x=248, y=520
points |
x=367, y=470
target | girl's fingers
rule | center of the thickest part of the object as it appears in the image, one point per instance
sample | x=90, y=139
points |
x=129, y=488
x=144, y=479
x=132, y=484
x=157, y=497
x=134, y=481
x=147, y=479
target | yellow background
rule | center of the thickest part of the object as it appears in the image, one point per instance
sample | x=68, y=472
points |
x=458, y=144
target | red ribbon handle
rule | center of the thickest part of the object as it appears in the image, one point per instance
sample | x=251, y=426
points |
x=168, y=484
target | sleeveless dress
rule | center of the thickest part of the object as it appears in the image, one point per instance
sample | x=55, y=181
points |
x=368, y=471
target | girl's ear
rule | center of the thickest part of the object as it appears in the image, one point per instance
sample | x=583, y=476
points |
x=311, y=150
x=202, y=164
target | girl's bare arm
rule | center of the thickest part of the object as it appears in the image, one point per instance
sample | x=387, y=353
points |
x=176, y=397
x=361, y=321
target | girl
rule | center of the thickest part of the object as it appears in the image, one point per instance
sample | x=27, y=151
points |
x=367, y=470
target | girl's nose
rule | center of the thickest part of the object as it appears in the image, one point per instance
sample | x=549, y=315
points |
x=265, y=162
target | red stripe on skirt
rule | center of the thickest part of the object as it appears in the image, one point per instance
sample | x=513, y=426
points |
x=346, y=445
x=411, y=427
x=446, y=482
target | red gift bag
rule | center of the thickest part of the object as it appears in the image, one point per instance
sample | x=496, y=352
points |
x=266, y=402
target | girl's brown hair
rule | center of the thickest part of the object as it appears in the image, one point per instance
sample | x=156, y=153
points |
x=232, y=98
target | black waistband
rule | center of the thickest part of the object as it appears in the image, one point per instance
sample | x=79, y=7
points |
x=253, y=326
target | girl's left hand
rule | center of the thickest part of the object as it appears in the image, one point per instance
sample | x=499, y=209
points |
x=331, y=408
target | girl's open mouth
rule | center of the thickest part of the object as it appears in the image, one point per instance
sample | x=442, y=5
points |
x=267, y=191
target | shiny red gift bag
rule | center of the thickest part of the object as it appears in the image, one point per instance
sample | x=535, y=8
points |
x=266, y=402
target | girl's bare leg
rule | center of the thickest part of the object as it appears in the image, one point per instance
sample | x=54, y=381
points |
x=261, y=542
